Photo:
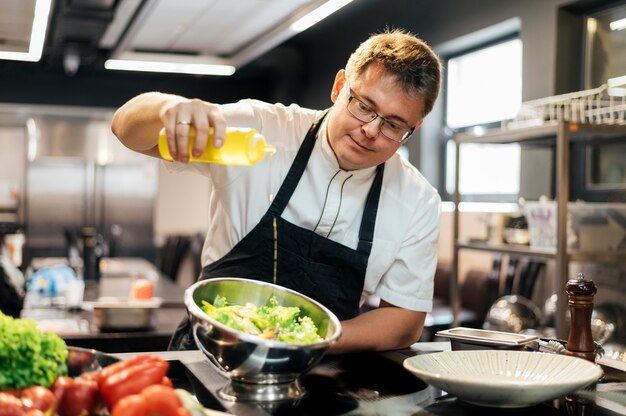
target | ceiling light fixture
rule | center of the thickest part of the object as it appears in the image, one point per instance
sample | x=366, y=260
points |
x=124, y=57
x=169, y=67
x=618, y=24
x=37, y=35
x=318, y=14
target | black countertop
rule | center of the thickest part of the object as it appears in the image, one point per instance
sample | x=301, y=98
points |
x=350, y=384
x=378, y=384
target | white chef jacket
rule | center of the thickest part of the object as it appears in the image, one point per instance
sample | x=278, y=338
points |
x=327, y=200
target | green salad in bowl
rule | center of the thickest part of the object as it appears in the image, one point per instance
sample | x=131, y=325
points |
x=262, y=336
x=271, y=321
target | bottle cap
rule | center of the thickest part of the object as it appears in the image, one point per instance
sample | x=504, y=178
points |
x=258, y=148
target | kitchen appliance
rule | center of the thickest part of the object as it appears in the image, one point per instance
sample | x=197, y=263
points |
x=79, y=175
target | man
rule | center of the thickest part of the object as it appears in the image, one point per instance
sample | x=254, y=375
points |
x=353, y=217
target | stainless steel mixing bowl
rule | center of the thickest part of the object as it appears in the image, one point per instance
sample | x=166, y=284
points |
x=83, y=360
x=259, y=369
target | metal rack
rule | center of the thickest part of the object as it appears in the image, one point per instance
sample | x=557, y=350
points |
x=560, y=133
x=9, y=221
x=603, y=105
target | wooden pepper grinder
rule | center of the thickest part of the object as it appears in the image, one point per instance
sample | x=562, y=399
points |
x=580, y=301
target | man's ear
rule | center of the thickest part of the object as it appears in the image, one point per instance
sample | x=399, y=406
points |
x=340, y=80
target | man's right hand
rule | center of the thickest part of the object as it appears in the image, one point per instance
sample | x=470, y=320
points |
x=138, y=122
x=179, y=115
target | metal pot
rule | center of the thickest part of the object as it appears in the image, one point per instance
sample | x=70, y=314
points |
x=512, y=313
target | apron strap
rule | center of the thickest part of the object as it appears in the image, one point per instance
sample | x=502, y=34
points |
x=296, y=170
x=368, y=222
x=288, y=187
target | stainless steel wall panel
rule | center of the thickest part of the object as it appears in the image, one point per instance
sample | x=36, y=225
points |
x=12, y=167
x=57, y=196
x=129, y=191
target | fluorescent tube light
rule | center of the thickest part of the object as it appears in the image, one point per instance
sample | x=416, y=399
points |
x=318, y=14
x=37, y=35
x=123, y=58
x=618, y=24
x=34, y=136
x=169, y=67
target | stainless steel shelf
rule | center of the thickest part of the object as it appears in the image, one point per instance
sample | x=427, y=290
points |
x=559, y=134
x=545, y=253
x=545, y=131
x=510, y=136
x=602, y=257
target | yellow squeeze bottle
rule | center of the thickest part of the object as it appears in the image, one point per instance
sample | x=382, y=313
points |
x=241, y=147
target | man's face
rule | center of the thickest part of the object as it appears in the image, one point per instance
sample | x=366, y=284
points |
x=358, y=144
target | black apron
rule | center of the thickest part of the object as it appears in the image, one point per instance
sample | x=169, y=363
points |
x=320, y=268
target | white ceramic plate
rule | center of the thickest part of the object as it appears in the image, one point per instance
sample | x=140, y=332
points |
x=499, y=378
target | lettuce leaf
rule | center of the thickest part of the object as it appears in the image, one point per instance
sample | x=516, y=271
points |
x=29, y=357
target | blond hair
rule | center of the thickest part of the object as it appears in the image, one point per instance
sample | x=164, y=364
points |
x=409, y=58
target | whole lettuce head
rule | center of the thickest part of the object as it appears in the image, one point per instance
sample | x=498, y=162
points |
x=28, y=356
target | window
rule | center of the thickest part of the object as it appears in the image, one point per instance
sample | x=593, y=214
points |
x=486, y=170
x=483, y=87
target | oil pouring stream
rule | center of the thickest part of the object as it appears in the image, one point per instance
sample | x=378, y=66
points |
x=275, y=248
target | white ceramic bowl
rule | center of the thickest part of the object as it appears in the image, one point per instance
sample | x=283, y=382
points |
x=502, y=378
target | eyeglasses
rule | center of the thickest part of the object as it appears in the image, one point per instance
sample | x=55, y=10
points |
x=364, y=113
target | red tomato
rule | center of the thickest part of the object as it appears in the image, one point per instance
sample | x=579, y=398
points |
x=120, y=365
x=161, y=400
x=34, y=412
x=59, y=386
x=167, y=382
x=142, y=289
x=80, y=397
x=10, y=405
x=131, y=380
x=133, y=405
x=40, y=398
x=91, y=375
x=183, y=412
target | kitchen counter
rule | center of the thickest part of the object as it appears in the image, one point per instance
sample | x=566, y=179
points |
x=377, y=384
x=78, y=328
